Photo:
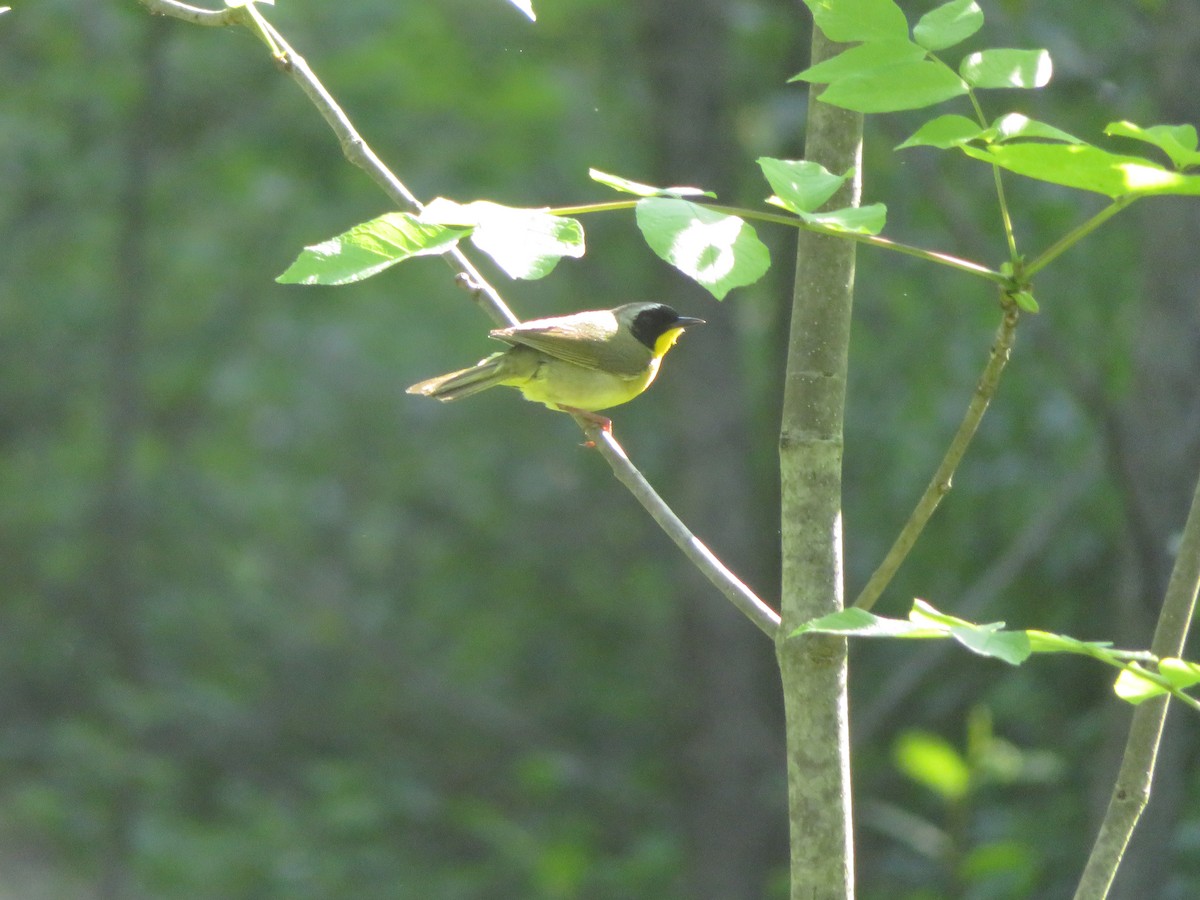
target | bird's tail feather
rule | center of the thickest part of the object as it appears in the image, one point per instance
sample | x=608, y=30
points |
x=485, y=374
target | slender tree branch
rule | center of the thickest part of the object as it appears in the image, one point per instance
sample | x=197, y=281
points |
x=1131, y=792
x=693, y=548
x=358, y=152
x=940, y=484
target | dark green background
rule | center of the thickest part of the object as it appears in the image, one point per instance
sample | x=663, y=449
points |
x=271, y=628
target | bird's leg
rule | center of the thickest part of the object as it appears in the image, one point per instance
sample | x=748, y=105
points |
x=604, y=423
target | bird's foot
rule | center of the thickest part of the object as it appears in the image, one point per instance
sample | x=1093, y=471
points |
x=603, y=422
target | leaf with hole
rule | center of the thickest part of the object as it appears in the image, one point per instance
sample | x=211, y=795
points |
x=716, y=250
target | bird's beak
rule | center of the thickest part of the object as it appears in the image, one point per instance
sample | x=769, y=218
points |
x=686, y=322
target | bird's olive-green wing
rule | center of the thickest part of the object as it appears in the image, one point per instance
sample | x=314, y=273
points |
x=587, y=340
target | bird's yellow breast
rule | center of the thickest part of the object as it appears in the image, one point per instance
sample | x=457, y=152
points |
x=558, y=383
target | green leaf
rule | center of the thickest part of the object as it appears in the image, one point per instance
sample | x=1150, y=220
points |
x=1177, y=141
x=369, y=248
x=858, y=20
x=868, y=219
x=1015, y=125
x=1011, y=647
x=718, y=251
x=1048, y=642
x=525, y=243
x=925, y=613
x=1181, y=673
x=1086, y=167
x=943, y=132
x=860, y=623
x=526, y=7
x=625, y=186
x=949, y=24
x=234, y=4
x=934, y=763
x=800, y=185
x=860, y=60
x=1007, y=68
x=1133, y=685
x=910, y=85
x=1026, y=302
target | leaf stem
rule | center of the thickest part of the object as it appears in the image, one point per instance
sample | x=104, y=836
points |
x=940, y=484
x=1001, y=198
x=1076, y=234
x=792, y=221
x=592, y=208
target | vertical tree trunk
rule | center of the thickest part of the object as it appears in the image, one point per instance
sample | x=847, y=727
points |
x=813, y=668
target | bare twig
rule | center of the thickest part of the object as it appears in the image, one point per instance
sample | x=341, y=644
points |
x=1131, y=792
x=693, y=548
x=940, y=484
x=358, y=152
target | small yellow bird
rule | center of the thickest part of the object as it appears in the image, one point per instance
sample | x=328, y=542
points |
x=577, y=364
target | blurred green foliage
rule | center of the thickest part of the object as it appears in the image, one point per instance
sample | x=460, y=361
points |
x=269, y=628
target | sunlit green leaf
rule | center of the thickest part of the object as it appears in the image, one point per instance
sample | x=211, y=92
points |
x=1177, y=141
x=1181, y=673
x=1015, y=125
x=910, y=85
x=949, y=24
x=526, y=7
x=860, y=623
x=1048, y=642
x=858, y=20
x=799, y=184
x=868, y=219
x=718, y=251
x=1007, y=68
x=861, y=60
x=1086, y=167
x=1134, y=687
x=626, y=186
x=924, y=613
x=369, y=248
x=525, y=243
x=942, y=132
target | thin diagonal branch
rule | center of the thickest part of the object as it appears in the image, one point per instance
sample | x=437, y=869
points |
x=693, y=548
x=1131, y=792
x=940, y=484
x=358, y=152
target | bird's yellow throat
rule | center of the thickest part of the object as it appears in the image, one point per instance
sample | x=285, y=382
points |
x=666, y=341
